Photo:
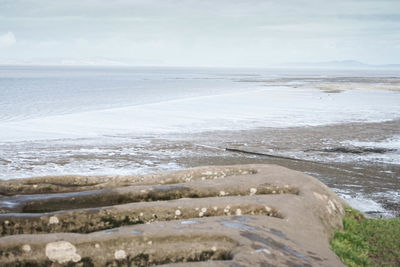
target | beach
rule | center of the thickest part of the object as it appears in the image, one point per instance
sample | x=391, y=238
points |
x=338, y=126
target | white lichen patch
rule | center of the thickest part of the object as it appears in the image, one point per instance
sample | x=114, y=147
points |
x=120, y=254
x=253, y=191
x=332, y=205
x=238, y=212
x=227, y=210
x=53, y=220
x=62, y=252
x=268, y=209
x=178, y=213
x=215, y=208
x=214, y=248
x=204, y=210
x=201, y=214
x=338, y=206
x=97, y=245
x=26, y=248
x=222, y=193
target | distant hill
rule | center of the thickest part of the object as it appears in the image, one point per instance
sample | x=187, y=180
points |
x=102, y=61
x=342, y=64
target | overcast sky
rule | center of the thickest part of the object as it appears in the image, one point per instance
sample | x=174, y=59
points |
x=200, y=32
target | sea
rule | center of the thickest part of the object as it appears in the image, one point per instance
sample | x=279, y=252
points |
x=61, y=120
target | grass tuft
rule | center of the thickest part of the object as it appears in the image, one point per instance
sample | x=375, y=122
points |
x=367, y=242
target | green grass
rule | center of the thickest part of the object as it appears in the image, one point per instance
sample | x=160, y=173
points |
x=367, y=242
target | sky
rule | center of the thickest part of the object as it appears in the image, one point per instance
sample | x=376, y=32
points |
x=222, y=33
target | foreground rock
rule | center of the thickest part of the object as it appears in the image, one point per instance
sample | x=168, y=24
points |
x=213, y=216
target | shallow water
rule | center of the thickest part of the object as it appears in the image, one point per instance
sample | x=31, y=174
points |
x=123, y=121
x=65, y=103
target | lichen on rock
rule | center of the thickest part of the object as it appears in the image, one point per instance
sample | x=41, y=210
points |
x=62, y=252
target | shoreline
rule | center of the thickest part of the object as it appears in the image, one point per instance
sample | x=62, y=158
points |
x=360, y=174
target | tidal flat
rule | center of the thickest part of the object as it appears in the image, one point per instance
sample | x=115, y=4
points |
x=359, y=161
x=340, y=126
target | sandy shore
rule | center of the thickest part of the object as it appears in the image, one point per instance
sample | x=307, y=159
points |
x=336, y=84
x=346, y=137
x=365, y=172
x=359, y=161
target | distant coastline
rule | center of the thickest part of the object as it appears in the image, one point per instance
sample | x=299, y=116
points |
x=121, y=63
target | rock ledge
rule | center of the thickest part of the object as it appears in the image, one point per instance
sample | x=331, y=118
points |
x=242, y=215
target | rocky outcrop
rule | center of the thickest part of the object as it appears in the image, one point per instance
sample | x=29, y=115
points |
x=220, y=216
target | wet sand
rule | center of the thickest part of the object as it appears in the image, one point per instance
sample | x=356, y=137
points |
x=359, y=161
x=367, y=177
x=334, y=84
x=357, y=173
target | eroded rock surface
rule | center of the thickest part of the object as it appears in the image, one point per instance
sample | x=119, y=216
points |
x=244, y=215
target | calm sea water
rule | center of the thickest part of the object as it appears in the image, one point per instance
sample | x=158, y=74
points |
x=33, y=92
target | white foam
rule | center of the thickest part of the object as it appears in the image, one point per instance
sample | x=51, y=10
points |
x=392, y=196
x=391, y=157
x=362, y=203
x=390, y=143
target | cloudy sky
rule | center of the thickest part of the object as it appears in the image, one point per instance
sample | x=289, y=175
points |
x=199, y=32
